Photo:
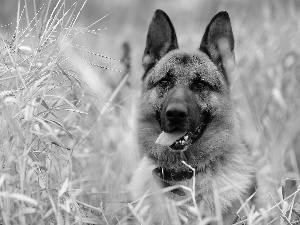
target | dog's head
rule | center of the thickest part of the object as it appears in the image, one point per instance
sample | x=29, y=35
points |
x=186, y=113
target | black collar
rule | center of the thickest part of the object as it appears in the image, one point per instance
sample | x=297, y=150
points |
x=165, y=178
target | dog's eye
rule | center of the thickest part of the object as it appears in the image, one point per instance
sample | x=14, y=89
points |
x=198, y=85
x=164, y=83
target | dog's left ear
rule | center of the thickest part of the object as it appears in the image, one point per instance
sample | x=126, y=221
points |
x=161, y=39
x=218, y=43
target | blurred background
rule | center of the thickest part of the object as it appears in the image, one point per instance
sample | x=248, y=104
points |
x=265, y=85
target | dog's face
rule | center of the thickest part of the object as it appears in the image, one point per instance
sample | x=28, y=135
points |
x=186, y=112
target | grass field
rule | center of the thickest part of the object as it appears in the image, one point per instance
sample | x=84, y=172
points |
x=68, y=102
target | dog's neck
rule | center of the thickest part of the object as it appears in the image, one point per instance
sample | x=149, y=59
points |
x=166, y=178
x=231, y=184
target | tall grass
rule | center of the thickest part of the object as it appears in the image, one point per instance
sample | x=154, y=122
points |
x=67, y=145
x=43, y=119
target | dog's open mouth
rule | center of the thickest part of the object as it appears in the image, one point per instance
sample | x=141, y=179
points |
x=182, y=144
x=180, y=140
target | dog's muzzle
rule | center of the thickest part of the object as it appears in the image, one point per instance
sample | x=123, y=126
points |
x=166, y=178
x=189, y=138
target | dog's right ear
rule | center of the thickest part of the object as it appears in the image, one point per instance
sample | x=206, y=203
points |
x=161, y=39
x=218, y=43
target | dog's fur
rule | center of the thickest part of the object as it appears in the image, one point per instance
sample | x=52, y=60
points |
x=197, y=85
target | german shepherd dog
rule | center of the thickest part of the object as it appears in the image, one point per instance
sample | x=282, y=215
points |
x=187, y=128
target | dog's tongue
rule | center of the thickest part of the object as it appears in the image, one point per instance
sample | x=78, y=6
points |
x=168, y=139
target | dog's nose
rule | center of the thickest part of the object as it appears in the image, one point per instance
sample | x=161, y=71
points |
x=176, y=112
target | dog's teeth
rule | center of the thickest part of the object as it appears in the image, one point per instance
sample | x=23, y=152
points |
x=186, y=137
